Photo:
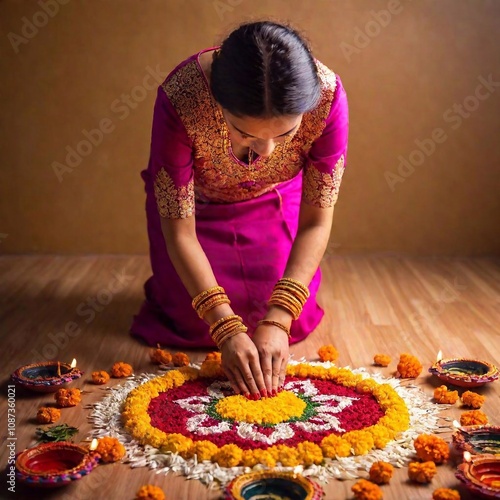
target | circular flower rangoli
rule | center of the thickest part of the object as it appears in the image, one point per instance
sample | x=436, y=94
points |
x=323, y=412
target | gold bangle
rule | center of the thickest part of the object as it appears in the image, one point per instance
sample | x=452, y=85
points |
x=211, y=291
x=211, y=302
x=223, y=340
x=230, y=325
x=223, y=320
x=297, y=283
x=275, y=323
x=222, y=334
x=284, y=301
x=295, y=291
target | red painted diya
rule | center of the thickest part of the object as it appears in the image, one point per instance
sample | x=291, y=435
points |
x=48, y=376
x=464, y=372
x=478, y=439
x=50, y=465
x=481, y=475
x=273, y=485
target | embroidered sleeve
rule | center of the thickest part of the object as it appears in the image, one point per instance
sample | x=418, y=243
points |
x=327, y=157
x=171, y=162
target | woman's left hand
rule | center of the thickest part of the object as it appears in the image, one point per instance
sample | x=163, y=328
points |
x=272, y=344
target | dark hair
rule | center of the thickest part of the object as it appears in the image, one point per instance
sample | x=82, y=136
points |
x=265, y=69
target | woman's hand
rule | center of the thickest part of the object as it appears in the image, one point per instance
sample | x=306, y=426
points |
x=242, y=366
x=273, y=349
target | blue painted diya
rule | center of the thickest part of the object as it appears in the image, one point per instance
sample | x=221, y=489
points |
x=465, y=372
x=273, y=485
x=478, y=439
x=48, y=376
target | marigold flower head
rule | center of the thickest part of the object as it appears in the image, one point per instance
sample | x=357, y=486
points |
x=110, y=449
x=381, y=472
x=473, y=417
x=365, y=490
x=100, y=377
x=443, y=396
x=409, y=366
x=381, y=359
x=180, y=359
x=121, y=369
x=361, y=441
x=228, y=455
x=445, y=494
x=160, y=356
x=214, y=356
x=473, y=399
x=430, y=447
x=334, y=446
x=150, y=492
x=289, y=457
x=205, y=450
x=328, y=353
x=422, y=472
x=309, y=453
x=67, y=397
x=48, y=415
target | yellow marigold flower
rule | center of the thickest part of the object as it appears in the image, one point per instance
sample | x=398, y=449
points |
x=229, y=455
x=205, y=450
x=120, y=370
x=180, y=359
x=381, y=435
x=366, y=385
x=473, y=417
x=422, y=472
x=264, y=457
x=443, y=396
x=334, y=446
x=289, y=457
x=430, y=447
x=361, y=441
x=150, y=492
x=68, y=397
x=365, y=490
x=177, y=443
x=445, y=494
x=48, y=415
x=409, y=366
x=248, y=459
x=160, y=356
x=473, y=399
x=309, y=453
x=328, y=353
x=381, y=359
x=100, y=377
x=381, y=472
x=110, y=449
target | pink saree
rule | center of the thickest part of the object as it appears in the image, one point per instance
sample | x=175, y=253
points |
x=246, y=217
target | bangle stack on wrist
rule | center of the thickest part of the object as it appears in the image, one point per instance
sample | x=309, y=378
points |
x=275, y=323
x=290, y=294
x=207, y=300
x=225, y=328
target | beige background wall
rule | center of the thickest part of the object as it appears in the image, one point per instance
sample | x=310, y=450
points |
x=403, y=76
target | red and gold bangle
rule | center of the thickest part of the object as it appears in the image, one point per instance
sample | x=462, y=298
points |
x=275, y=323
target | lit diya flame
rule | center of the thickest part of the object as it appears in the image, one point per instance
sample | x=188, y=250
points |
x=467, y=456
x=73, y=363
x=456, y=424
x=93, y=444
x=439, y=356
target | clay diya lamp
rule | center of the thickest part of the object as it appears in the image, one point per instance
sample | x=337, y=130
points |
x=273, y=485
x=478, y=439
x=48, y=376
x=464, y=372
x=50, y=465
x=480, y=475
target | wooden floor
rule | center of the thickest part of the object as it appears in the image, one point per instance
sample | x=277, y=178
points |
x=386, y=304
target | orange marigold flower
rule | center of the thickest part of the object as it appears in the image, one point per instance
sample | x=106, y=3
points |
x=422, y=472
x=68, y=397
x=214, y=356
x=409, y=366
x=150, y=492
x=228, y=455
x=121, y=369
x=160, y=356
x=445, y=494
x=100, y=377
x=381, y=359
x=430, y=447
x=212, y=366
x=473, y=417
x=381, y=472
x=110, y=449
x=473, y=399
x=443, y=396
x=328, y=353
x=180, y=359
x=365, y=490
x=47, y=415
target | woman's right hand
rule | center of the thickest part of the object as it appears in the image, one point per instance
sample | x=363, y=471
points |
x=241, y=364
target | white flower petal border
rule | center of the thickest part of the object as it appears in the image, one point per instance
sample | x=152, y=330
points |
x=424, y=418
